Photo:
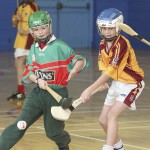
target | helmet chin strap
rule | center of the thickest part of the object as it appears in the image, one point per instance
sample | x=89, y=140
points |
x=109, y=39
x=44, y=40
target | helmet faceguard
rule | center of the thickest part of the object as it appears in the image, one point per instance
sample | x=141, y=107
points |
x=109, y=18
x=40, y=18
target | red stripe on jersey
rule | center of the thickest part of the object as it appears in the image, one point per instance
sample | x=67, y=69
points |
x=137, y=77
x=54, y=64
x=61, y=75
x=27, y=69
x=131, y=97
x=59, y=67
x=119, y=49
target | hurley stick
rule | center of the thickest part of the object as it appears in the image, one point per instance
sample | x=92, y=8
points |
x=54, y=94
x=17, y=2
x=63, y=114
x=127, y=29
x=65, y=102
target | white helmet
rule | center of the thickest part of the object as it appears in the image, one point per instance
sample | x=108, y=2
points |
x=109, y=18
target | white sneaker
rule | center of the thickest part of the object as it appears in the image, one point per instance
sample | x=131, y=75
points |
x=107, y=147
x=121, y=148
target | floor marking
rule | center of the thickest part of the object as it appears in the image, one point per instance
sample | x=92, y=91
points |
x=95, y=139
x=120, y=122
x=99, y=129
x=101, y=140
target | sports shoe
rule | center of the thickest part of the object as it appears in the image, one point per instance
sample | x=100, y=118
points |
x=65, y=148
x=16, y=96
x=121, y=148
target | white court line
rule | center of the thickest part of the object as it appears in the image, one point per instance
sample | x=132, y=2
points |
x=88, y=107
x=120, y=122
x=83, y=130
x=101, y=140
x=87, y=124
x=85, y=137
x=90, y=138
x=38, y=127
x=120, y=128
x=77, y=111
x=94, y=111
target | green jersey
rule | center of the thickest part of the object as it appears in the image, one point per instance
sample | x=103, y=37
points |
x=52, y=63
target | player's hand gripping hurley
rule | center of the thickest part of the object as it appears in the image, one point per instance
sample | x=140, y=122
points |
x=63, y=114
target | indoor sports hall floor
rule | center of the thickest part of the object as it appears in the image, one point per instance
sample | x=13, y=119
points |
x=86, y=134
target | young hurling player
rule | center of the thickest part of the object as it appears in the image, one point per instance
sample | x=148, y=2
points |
x=117, y=61
x=50, y=62
x=22, y=43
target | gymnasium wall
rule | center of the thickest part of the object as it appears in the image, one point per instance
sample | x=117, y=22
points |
x=136, y=13
x=7, y=33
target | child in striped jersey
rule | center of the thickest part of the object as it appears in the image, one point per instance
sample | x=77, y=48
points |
x=117, y=61
x=22, y=44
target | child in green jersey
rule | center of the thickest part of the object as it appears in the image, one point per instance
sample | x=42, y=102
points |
x=51, y=62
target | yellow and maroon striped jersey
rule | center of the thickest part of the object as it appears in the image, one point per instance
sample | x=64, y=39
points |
x=120, y=62
x=24, y=41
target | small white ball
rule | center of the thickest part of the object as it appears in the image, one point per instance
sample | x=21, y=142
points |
x=21, y=125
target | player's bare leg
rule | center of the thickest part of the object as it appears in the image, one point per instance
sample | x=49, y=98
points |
x=105, y=115
x=112, y=126
x=103, y=119
x=20, y=64
x=19, y=95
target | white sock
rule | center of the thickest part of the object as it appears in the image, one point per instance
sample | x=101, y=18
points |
x=119, y=145
x=107, y=147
